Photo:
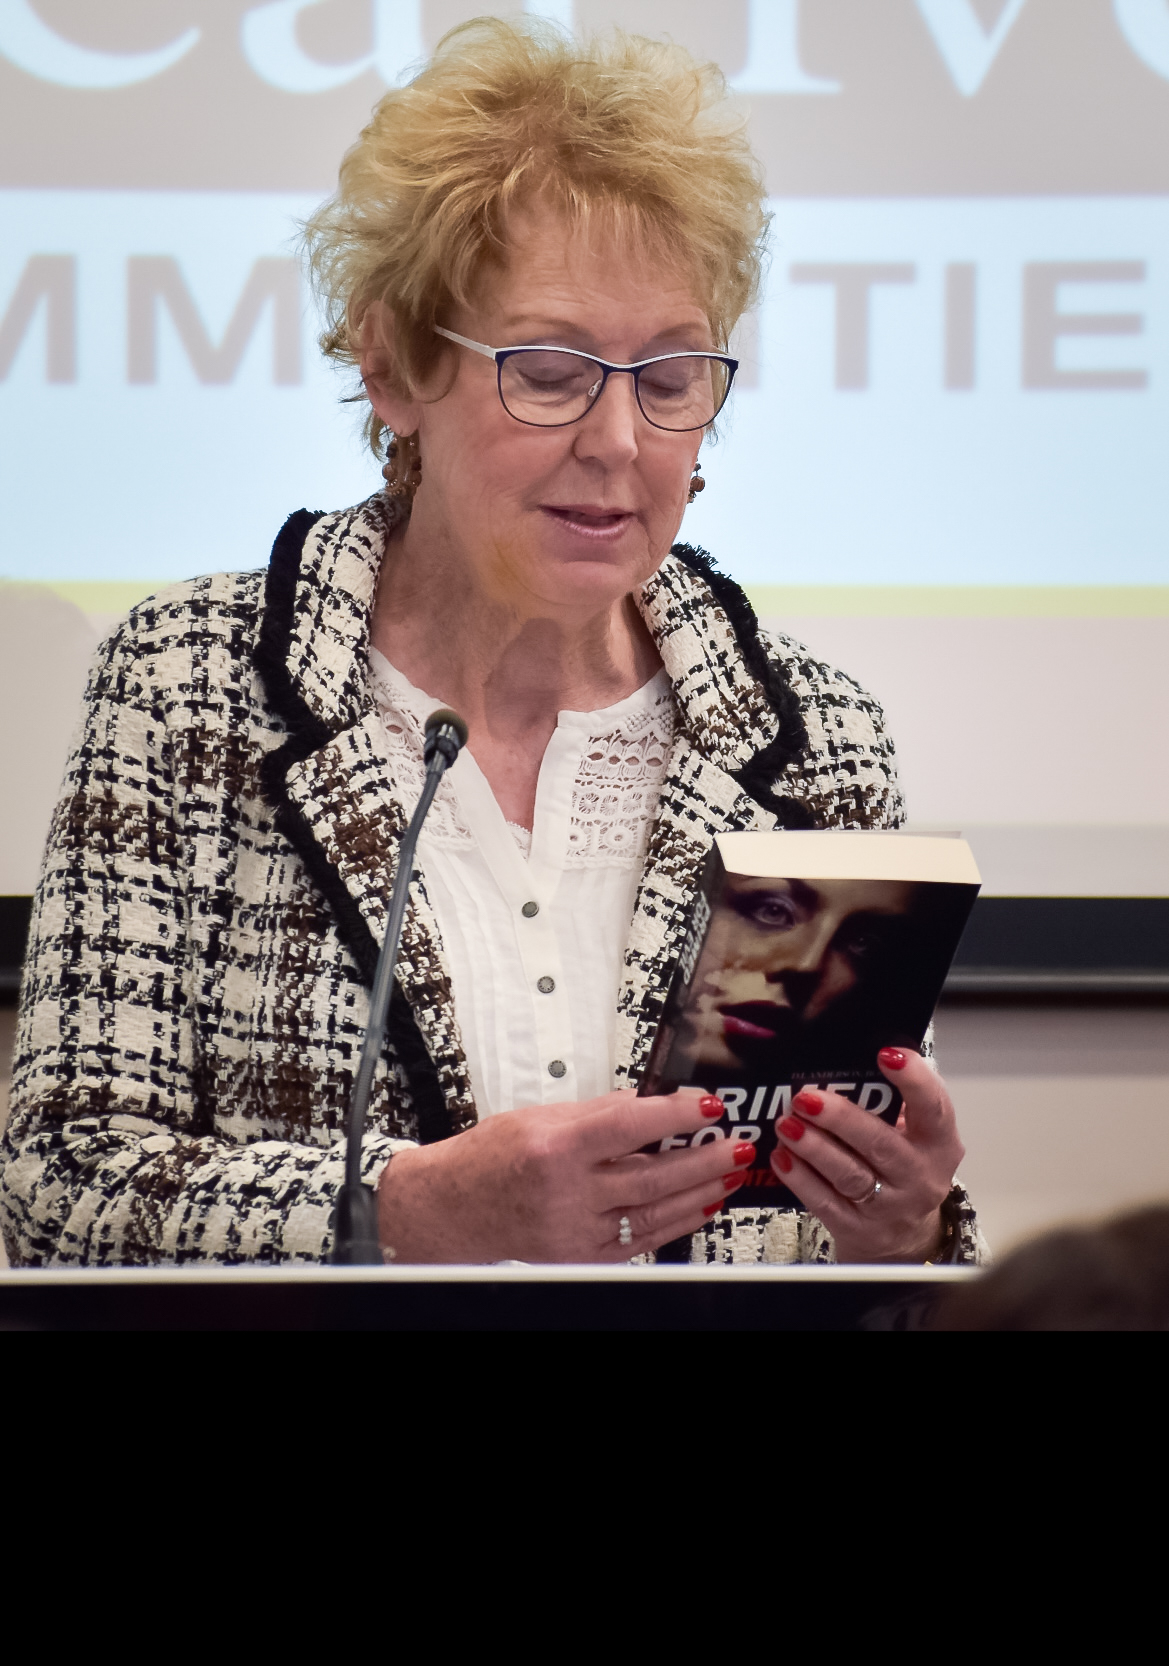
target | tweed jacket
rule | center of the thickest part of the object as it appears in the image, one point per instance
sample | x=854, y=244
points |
x=216, y=883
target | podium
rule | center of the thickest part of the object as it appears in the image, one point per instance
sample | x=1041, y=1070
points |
x=509, y=1297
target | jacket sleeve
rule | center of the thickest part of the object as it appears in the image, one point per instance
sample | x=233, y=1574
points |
x=108, y=1156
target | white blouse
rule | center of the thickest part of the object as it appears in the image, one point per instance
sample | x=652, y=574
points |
x=535, y=924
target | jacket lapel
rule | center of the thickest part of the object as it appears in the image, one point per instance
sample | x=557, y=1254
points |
x=725, y=721
x=330, y=777
x=723, y=707
x=344, y=797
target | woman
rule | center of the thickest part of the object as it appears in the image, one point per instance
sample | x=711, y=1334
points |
x=218, y=872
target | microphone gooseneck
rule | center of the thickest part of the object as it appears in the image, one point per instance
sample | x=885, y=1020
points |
x=355, y=1234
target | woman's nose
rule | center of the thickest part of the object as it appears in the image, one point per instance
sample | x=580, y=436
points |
x=798, y=987
x=608, y=432
x=805, y=950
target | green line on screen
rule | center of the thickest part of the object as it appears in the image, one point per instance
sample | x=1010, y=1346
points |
x=801, y=601
x=109, y=596
x=956, y=601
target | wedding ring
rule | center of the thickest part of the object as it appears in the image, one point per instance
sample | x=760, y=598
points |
x=869, y=1195
x=624, y=1232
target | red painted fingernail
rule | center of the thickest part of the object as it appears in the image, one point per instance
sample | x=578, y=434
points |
x=731, y=1182
x=892, y=1058
x=743, y=1153
x=791, y=1127
x=783, y=1160
x=710, y=1106
x=711, y=1209
x=808, y=1101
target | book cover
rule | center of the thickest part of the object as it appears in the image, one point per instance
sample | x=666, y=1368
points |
x=807, y=953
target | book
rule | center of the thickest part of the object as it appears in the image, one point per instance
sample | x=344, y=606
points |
x=805, y=954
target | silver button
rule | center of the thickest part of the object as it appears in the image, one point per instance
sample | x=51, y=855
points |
x=558, y=1068
x=546, y=985
x=530, y=910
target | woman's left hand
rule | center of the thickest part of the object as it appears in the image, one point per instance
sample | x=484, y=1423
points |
x=832, y=1156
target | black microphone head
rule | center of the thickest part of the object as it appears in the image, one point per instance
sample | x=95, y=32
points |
x=446, y=733
x=445, y=716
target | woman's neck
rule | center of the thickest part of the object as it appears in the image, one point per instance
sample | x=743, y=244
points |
x=506, y=664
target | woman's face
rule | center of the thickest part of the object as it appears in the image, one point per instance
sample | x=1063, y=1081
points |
x=554, y=518
x=782, y=951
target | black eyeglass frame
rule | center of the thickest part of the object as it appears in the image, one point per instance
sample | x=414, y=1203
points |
x=501, y=355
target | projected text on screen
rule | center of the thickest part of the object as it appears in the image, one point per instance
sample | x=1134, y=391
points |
x=956, y=375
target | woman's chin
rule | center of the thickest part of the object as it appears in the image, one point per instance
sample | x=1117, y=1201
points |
x=589, y=578
x=716, y=1055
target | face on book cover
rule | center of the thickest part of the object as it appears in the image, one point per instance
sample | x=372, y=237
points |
x=779, y=954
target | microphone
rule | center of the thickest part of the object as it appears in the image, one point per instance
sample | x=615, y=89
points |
x=355, y=1237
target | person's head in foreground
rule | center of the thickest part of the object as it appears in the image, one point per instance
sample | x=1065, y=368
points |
x=536, y=261
x=1113, y=1275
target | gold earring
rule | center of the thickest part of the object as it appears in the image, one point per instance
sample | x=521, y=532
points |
x=697, y=483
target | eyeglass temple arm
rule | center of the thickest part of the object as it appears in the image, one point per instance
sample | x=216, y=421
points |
x=465, y=341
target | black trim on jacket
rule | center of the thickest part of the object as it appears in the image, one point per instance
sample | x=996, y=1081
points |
x=758, y=777
x=307, y=734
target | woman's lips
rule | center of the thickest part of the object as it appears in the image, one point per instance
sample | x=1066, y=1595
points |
x=600, y=525
x=734, y=1024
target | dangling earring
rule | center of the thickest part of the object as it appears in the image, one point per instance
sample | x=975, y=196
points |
x=697, y=483
x=402, y=472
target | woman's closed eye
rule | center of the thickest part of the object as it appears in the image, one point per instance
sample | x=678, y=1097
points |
x=552, y=371
x=675, y=378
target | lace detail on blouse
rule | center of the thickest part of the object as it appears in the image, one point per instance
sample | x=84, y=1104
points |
x=404, y=732
x=615, y=791
x=618, y=783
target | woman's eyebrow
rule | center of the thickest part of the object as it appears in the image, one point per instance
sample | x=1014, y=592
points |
x=804, y=894
x=545, y=326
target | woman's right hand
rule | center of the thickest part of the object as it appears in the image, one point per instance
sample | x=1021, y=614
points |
x=552, y=1182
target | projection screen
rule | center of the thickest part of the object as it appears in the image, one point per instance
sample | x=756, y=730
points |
x=945, y=467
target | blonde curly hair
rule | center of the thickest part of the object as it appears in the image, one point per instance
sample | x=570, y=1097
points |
x=631, y=131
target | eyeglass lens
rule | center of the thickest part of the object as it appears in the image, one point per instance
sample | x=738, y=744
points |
x=548, y=389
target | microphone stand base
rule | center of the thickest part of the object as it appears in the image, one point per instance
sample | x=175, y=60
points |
x=355, y=1238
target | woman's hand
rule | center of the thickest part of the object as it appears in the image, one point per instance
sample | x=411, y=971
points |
x=552, y=1183
x=832, y=1155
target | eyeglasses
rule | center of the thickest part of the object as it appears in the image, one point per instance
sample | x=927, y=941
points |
x=550, y=387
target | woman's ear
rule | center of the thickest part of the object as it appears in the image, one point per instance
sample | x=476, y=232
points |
x=379, y=372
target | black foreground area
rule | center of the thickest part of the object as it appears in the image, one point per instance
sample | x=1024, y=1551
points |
x=474, y=1299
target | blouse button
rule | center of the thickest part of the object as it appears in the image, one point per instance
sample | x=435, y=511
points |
x=546, y=985
x=558, y=1068
x=530, y=910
